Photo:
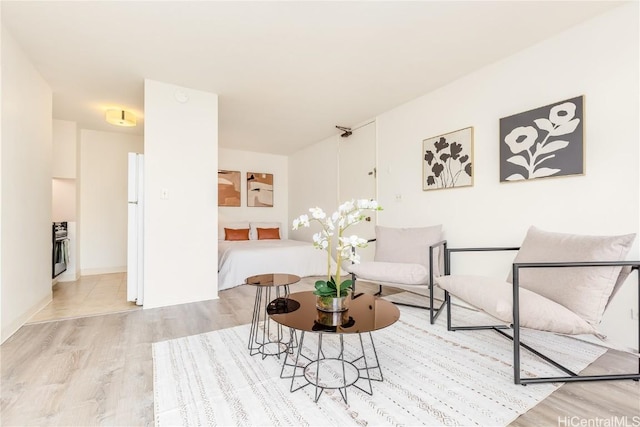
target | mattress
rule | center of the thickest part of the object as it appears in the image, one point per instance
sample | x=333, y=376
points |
x=238, y=260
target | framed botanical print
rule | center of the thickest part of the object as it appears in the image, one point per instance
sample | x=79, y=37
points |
x=545, y=142
x=448, y=160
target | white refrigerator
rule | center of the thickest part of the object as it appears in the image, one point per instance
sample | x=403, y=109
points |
x=135, y=236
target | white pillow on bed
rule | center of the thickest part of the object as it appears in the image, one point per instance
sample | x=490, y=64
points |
x=235, y=225
x=253, y=229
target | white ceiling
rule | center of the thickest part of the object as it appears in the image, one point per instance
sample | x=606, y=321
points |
x=286, y=72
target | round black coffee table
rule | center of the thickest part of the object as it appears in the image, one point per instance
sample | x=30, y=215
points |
x=333, y=366
x=262, y=338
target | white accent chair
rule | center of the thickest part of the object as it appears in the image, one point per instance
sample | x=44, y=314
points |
x=561, y=283
x=405, y=258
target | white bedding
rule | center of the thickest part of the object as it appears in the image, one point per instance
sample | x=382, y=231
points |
x=238, y=260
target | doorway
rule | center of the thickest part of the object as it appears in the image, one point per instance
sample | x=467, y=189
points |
x=88, y=296
x=357, y=176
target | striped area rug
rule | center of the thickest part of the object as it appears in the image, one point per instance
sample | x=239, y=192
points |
x=431, y=377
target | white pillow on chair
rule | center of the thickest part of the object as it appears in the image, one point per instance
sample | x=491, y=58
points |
x=583, y=290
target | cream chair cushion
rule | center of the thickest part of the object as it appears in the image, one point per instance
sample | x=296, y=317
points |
x=583, y=290
x=495, y=298
x=391, y=272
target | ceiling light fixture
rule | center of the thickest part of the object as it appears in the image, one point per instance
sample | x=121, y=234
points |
x=121, y=118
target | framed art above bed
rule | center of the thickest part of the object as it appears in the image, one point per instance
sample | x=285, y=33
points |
x=228, y=188
x=259, y=189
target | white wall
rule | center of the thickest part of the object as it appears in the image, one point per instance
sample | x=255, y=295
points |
x=103, y=200
x=598, y=59
x=65, y=189
x=25, y=221
x=313, y=182
x=605, y=200
x=63, y=204
x=64, y=149
x=249, y=161
x=181, y=159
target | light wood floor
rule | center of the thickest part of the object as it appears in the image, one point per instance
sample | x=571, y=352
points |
x=99, y=370
x=87, y=296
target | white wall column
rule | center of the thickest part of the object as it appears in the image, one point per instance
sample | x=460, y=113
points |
x=181, y=207
x=25, y=216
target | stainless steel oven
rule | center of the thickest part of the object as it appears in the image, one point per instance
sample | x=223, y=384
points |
x=60, y=256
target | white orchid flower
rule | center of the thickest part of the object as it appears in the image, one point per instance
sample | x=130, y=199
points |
x=327, y=233
x=300, y=222
x=317, y=213
x=354, y=240
x=329, y=224
x=346, y=207
x=348, y=213
x=319, y=241
x=367, y=204
x=361, y=243
x=354, y=258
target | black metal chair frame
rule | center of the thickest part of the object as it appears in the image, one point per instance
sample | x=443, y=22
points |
x=517, y=343
x=434, y=312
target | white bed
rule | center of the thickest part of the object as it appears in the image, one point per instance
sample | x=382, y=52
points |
x=238, y=260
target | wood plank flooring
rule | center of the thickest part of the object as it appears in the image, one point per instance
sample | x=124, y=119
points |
x=99, y=370
x=87, y=296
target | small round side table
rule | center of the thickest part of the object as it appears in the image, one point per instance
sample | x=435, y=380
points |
x=266, y=337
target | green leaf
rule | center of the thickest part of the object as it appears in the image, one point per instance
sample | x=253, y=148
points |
x=320, y=283
x=346, y=284
x=325, y=292
x=344, y=288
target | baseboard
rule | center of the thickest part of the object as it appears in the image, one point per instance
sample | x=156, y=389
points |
x=107, y=270
x=12, y=328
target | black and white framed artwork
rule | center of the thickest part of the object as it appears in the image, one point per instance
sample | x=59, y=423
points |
x=544, y=142
x=447, y=160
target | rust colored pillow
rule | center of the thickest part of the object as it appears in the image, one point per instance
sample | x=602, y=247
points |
x=236, y=234
x=268, y=233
